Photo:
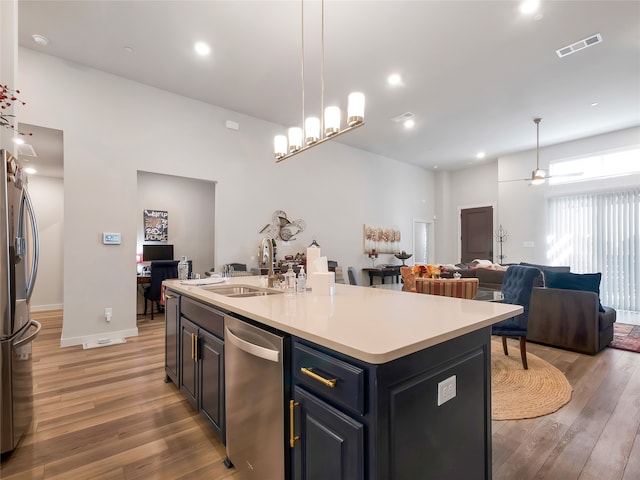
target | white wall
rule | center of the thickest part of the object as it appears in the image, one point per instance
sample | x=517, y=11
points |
x=190, y=205
x=114, y=128
x=468, y=188
x=522, y=208
x=47, y=196
x=9, y=62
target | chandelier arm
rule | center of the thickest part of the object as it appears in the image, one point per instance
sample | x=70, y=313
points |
x=302, y=57
x=322, y=69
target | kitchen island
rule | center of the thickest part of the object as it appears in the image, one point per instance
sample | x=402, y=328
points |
x=399, y=385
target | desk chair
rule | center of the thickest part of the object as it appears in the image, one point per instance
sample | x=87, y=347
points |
x=160, y=270
x=516, y=290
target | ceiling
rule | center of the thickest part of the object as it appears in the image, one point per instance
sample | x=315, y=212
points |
x=475, y=73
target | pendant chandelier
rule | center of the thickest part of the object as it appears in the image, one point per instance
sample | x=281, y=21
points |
x=314, y=130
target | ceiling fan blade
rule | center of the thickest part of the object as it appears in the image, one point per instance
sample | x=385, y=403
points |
x=516, y=180
x=560, y=175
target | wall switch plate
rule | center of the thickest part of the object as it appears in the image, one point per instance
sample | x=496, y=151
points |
x=446, y=390
x=111, y=238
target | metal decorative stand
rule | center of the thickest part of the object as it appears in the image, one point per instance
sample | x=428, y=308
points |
x=403, y=256
x=501, y=236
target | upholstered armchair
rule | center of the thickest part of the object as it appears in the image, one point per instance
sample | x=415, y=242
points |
x=516, y=290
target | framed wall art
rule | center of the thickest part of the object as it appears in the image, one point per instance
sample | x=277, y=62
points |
x=382, y=239
x=156, y=225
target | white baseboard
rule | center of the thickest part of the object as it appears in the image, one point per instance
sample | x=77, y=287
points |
x=99, y=338
x=44, y=308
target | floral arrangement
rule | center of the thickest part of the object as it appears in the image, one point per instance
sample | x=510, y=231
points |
x=429, y=271
x=7, y=97
x=373, y=254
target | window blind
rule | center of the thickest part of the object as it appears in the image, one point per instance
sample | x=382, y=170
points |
x=599, y=232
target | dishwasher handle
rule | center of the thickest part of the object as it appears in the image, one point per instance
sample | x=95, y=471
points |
x=252, y=348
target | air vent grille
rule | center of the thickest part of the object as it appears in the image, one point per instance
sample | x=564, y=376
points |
x=581, y=45
x=403, y=117
x=26, y=150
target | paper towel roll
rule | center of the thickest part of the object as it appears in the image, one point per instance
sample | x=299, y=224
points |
x=313, y=253
x=323, y=283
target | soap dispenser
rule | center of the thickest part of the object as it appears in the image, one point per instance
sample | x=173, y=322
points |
x=302, y=280
x=290, y=281
x=183, y=269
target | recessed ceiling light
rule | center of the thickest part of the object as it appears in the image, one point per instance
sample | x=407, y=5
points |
x=394, y=79
x=435, y=167
x=595, y=104
x=30, y=170
x=40, y=39
x=128, y=49
x=480, y=155
x=202, y=48
x=18, y=141
x=527, y=7
x=409, y=123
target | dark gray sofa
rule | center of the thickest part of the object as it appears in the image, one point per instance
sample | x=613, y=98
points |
x=570, y=319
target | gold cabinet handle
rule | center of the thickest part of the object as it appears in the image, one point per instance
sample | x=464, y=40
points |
x=292, y=430
x=327, y=382
x=167, y=297
x=193, y=347
x=195, y=343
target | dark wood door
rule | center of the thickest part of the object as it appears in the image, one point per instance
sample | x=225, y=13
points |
x=477, y=234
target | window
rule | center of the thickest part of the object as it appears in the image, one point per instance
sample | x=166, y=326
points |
x=599, y=232
x=605, y=164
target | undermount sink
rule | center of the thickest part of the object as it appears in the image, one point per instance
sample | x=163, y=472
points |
x=240, y=291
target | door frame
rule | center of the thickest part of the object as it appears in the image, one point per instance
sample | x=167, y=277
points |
x=430, y=237
x=494, y=206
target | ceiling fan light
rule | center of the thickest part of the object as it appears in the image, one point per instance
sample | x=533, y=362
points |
x=537, y=177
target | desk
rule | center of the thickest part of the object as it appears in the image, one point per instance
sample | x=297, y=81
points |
x=382, y=272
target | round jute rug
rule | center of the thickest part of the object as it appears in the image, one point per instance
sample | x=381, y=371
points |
x=517, y=393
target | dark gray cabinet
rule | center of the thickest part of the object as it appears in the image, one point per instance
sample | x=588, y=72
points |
x=201, y=365
x=171, y=344
x=353, y=420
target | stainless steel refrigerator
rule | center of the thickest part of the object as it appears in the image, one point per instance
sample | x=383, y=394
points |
x=19, y=264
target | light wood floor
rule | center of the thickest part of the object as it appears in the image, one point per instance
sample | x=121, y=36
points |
x=106, y=413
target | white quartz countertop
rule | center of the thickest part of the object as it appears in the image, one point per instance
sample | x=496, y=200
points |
x=371, y=324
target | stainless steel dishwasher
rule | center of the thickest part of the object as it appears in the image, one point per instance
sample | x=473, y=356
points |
x=255, y=428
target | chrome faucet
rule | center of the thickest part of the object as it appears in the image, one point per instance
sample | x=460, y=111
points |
x=267, y=259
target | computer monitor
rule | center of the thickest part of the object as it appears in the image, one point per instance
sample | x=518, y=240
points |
x=157, y=252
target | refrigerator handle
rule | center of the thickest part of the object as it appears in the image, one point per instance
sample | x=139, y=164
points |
x=30, y=338
x=36, y=246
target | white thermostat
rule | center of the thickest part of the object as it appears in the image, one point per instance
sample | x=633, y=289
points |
x=111, y=238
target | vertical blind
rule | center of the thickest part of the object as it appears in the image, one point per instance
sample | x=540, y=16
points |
x=599, y=232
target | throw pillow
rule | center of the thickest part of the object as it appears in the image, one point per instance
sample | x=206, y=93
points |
x=587, y=282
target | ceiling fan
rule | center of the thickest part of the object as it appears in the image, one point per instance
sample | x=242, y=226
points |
x=538, y=176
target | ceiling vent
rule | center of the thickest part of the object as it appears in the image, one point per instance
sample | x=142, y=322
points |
x=581, y=45
x=403, y=117
x=26, y=150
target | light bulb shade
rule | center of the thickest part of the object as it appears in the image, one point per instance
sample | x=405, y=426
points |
x=537, y=177
x=311, y=130
x=331, y=121
x=280, y=146
x=355, y=109
x=295, y=139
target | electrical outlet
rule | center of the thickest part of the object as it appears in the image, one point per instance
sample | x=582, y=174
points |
x=108, y=312
x=446, y=390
